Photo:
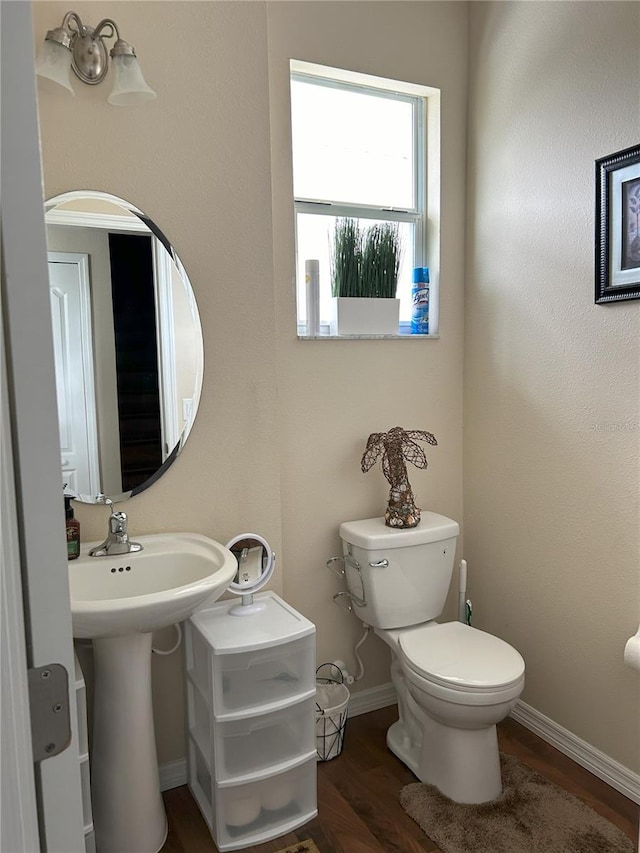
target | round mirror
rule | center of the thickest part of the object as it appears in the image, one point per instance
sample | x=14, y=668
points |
x=127, y=344
x=256, y=562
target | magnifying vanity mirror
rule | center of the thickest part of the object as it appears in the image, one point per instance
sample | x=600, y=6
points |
x=127, y=343
x=256, y=562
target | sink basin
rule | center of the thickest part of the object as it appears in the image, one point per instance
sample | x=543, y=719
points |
x=174, y=575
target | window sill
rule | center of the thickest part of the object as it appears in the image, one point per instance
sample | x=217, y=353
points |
x=401, y=337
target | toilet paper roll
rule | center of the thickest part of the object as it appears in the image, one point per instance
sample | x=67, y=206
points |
x=277, y=795
x=632, y=652
x=242, y=810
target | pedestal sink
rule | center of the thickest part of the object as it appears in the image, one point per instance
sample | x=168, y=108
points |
x=118, y=602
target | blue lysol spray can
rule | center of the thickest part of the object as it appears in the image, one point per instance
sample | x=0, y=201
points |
x=420, y=301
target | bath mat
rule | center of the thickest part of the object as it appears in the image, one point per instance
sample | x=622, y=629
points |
x=300, y=847
x=531, y=816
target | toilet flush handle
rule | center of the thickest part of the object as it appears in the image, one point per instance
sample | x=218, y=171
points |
x=380, y=564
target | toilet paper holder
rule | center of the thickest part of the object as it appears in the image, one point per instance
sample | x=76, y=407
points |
x=347, y=561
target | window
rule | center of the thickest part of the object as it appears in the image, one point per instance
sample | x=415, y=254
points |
x=359, y=150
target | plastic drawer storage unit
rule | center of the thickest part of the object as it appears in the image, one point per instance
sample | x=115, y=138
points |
x=83, y=747
x=251, y=710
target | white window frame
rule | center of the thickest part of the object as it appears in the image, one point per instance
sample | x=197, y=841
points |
x=424, y=215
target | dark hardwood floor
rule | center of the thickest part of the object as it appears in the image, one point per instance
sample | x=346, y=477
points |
x=358, y=808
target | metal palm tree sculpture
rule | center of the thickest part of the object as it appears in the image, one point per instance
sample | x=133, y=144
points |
x=398, y=446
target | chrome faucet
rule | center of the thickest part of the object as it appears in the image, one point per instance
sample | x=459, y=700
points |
x=117, y=541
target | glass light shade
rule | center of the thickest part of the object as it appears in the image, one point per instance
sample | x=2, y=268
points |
x=129, y=86
x=53, y=67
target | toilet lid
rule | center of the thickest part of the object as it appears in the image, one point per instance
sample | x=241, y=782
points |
x=458, y=656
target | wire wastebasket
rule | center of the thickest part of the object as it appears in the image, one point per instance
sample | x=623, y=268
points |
x=332, y=705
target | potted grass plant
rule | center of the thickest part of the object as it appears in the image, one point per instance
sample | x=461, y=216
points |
x=364, y=278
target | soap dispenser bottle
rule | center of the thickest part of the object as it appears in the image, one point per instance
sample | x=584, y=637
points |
x=73, y=530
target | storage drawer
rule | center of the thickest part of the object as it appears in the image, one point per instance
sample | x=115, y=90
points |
x=199, y=781
x=199, y=720
x=81, y=708
x=197, y=656
x=254, y=745
x=250, y=813
x=85, y=786
x=245, y=682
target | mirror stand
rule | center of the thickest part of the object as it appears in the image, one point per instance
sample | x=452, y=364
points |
x=247, y=607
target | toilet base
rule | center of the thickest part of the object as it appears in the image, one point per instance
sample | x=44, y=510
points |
x=402, y=747
x=464, y=764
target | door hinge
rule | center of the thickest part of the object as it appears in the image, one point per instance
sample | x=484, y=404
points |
x=49, y=705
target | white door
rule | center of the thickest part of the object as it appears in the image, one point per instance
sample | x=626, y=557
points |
x=40, y=557
x=18, y=823
x=70, y=293
x=163, y=290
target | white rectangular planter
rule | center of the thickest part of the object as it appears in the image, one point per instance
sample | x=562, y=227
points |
x=354, y=315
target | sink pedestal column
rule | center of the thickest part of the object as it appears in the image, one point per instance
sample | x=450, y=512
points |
x=128, y=811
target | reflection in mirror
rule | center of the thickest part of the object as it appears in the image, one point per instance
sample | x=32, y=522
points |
x=127, y=345
x=256, y=562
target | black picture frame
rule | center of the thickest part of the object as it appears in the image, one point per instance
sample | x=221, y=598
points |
x=618, y=226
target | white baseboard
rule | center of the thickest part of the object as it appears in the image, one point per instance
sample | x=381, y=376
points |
x=587, y=756
x=370, y=700
x=174, y=773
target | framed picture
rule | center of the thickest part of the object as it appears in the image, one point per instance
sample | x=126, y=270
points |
x=618, y=226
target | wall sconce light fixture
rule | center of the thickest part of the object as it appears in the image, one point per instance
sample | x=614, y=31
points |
x=75, y=46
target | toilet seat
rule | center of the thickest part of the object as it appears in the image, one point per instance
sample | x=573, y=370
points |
x=460, y=663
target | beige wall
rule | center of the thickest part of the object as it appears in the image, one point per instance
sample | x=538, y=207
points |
x=333, y=394
x=282, y=424
x=551, y=380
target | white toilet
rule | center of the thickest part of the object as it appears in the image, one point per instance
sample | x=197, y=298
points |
x=454, y=682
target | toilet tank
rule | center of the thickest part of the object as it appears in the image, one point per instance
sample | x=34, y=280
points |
x=399, y=577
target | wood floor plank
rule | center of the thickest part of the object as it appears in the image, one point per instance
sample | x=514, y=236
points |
x=358, y=796
x=188, y=833
x=374, y=798
x=316, y=833
x=344, y=827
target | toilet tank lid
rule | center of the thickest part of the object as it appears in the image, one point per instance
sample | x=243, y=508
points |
x=372, y=534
